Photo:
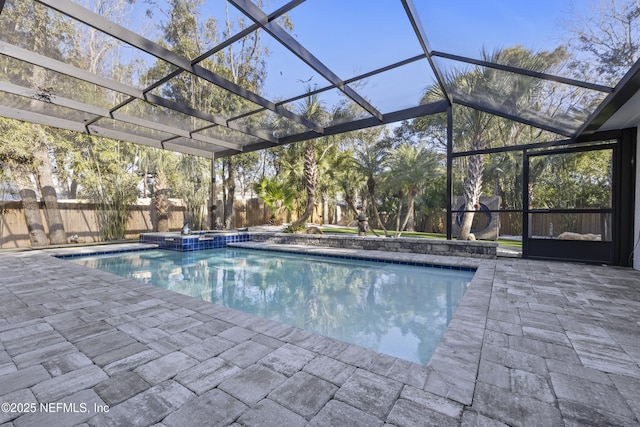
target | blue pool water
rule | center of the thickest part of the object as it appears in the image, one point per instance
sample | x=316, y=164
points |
x=394, y=309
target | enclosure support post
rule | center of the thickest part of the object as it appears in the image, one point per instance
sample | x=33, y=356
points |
x=525, y=204
x=449, y=171
x=213, y=198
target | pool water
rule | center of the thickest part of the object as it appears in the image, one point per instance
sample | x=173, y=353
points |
x=398, y=310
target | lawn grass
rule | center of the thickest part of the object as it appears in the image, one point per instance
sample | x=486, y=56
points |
x=352, y=230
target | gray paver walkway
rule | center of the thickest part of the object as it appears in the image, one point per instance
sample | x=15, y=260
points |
x=532, y=343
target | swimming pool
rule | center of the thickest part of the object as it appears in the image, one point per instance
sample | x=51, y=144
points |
x=400, y=310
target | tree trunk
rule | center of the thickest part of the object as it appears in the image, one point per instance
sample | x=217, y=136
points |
x=409, y=223
x=398, y=215
x=73, y=190
x=57, y=234
x=409, y=220
x=160, y=202
x=230, y=192
x=350, y=199
x=310, y=182
x=30, y=205
x=472, y=191
x=213, y=198
x=325, y=208
x=371, y=186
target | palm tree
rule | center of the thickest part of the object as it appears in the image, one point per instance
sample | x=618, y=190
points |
x=369, y=160
x=348, y=179
x=474, y=128
x=161, y=165
x=276, y=194
x=313, y=110
x=409, y=167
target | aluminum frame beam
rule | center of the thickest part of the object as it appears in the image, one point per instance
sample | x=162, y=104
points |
x=397, y=116
x=104, y=113
x=413, y=16
x=534, y=123
x=277, y=32
x=628, y=86
x=348, y=81
x=36, y=59
x=33, y=94
x=522, y=71
x=121, y=117
x=41, y=119
x=77, y=73
x=125, y=35
x=46, y=120
x=239, y=36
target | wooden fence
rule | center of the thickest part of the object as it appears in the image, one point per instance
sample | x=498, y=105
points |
x=252, y=212
x=79, y=220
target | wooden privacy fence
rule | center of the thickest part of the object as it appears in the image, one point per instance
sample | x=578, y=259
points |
x=540, y=223
x=79, y=219
x=251, y=212
x=544, y=224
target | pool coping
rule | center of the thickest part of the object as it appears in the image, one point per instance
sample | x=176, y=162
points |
x=373, y=255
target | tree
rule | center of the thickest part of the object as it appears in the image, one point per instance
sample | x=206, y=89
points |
x=242, y=63
x=17, y=156
x=369, y=160
x=194, y=172
x=276, y=194
x=160, y=165
x=609, y=36
x=42, y=167
x=244, y=66
x=28, y=24
x=348, y=179
x=108, y=179
x=409, y=169
x=313, y=110
x=475, y=130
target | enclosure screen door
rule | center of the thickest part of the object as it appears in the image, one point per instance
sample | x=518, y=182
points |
x=570, y=204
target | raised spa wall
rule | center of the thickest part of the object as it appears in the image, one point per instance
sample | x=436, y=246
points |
x=215, y=239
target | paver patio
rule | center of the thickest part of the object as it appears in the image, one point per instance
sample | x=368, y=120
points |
x=532, y=343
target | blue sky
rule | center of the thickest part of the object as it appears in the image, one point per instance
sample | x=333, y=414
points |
x=356, y=36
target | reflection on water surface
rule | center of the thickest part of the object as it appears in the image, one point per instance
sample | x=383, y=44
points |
x=394, y=309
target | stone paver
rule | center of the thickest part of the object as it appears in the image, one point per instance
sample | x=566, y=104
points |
x=336, y=413
x=146, y=408
x=330, y=369
x=22, y=378
x=208, y=348
x=267, y=413
x=165, y=367
x=370, y=392
x=246, y=353
x=406, y=413
x=287, y=359
x=207, y=375
x=304, y=394
x=252, y=384
x=532, y=343
x=214, y=408
x=121, y=387
x=55, y=388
